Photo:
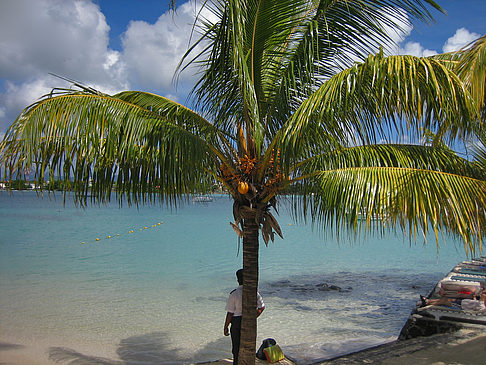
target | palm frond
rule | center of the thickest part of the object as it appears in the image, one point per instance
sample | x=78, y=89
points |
x=471, y=68
x=264, y=57
x=383, y=96
x=469, y=64
x=98, y=142
x=418, y=157
x=414, y=187
x=472, y=64
x=184, y=117
x=479, y=149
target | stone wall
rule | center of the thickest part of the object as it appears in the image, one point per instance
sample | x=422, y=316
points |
x=420, y=326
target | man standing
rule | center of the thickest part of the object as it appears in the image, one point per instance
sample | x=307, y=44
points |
x=233, y=314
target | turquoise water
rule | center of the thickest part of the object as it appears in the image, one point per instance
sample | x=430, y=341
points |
x=157, y=295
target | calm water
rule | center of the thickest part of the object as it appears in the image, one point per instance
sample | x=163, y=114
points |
x=157, y=295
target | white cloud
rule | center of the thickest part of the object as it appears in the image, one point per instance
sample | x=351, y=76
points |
x=461, y=38
x=153, y=51
x=415, y=49
x=19, y=95
x=71, y=38
x=396, y=25
x=3, y=113
x=65, y=37
x=400, y=26
x=408, y=48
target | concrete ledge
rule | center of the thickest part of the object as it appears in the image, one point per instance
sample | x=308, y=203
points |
x=423, y=350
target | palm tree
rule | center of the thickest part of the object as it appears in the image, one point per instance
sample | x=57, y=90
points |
x=277, y=111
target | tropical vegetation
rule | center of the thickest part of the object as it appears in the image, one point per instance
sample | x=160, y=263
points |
x=289, y=102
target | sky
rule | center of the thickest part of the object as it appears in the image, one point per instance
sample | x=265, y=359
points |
x=115, y=45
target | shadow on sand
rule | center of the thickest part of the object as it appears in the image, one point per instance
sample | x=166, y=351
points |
x=5, y=346
x=149, y=349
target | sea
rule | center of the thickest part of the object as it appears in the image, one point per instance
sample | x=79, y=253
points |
x=118, y=284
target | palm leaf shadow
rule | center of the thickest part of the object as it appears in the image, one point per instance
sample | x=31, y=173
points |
x=154, y=348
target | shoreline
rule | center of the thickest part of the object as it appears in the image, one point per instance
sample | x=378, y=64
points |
x=466, y=346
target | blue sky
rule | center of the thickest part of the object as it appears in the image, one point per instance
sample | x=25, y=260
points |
x=116, y=45
x=469, y=14
x=119, y=13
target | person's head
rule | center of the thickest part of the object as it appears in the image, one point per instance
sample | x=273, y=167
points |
x=239, y=276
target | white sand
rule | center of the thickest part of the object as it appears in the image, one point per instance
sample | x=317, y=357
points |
x=458, y=351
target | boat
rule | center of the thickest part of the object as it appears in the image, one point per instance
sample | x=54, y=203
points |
x=202, y=199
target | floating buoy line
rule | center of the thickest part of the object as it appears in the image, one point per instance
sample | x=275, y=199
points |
x=155, y=225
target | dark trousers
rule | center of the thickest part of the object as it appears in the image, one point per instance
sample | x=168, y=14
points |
x=235, y=337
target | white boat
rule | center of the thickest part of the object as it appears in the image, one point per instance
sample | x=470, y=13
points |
x=202, y=199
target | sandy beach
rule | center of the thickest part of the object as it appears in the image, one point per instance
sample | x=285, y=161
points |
x=465, y=347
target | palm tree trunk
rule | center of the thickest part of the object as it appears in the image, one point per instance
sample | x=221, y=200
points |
x=250, y=285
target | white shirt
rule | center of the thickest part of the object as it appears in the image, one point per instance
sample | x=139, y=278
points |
x=235, y=302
